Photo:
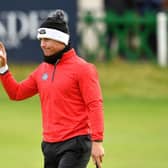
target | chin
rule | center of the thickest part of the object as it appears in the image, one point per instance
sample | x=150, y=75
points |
x=47, y=54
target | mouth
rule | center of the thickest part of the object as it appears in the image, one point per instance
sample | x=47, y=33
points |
x=45, y=51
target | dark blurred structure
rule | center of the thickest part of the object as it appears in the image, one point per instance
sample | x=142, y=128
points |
x=143, y=7
x=132, y=41
x=119, y=7
x=165, y=5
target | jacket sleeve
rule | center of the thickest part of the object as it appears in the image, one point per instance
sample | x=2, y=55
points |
x=91, y=93
x=18, y=90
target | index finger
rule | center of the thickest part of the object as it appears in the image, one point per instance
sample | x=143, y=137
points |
x=98, y=164
x=2, y=48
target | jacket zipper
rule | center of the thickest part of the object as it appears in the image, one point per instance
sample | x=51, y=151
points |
x=53, y=74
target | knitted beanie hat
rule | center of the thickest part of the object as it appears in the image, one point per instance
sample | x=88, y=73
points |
x=55, y=27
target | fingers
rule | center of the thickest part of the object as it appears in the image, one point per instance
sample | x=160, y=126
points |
x=98, y=162
x=3, y=60
x=2, y=49
x=97, y=153
x=97, y=165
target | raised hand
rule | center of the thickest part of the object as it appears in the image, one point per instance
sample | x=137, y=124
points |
x=3, y=57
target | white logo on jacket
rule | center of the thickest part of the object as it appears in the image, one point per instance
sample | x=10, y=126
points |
x=45, y=76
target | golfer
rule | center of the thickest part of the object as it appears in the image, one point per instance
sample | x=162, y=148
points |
x=70, y=96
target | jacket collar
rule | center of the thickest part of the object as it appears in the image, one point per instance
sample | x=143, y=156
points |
x=67, y=55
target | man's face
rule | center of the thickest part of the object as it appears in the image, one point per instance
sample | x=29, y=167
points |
x=50, y=47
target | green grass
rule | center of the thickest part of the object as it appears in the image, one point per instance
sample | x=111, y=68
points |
x=136, y=113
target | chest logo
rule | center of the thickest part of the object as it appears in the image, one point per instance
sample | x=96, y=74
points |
x=45, y=76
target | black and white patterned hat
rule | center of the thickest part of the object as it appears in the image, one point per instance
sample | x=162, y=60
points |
x=55, y=27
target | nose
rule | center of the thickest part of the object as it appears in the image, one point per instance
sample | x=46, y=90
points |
x=42, y=43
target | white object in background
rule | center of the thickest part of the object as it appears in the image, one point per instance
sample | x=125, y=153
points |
x=162, y=39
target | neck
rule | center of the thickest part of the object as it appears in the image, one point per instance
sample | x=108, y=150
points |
x=52, y=59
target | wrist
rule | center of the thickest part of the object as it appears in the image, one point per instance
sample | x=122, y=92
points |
x=4, y=69
x=97, y=140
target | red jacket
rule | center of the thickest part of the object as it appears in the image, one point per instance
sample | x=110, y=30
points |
x=70, y=96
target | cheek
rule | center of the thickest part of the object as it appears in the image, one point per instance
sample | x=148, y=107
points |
x=43, y=46
x=55, y=49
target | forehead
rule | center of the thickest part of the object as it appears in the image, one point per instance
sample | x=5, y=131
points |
x=51, y=40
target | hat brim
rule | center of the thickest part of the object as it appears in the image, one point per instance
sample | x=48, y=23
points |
x=53, y=34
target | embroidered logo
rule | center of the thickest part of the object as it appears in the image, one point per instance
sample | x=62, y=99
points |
x=42, y=31
x=45, y=76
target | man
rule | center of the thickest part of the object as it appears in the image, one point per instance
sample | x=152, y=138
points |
x=70, y=95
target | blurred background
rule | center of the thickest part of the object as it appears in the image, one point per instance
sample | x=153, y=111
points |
x=127, y=41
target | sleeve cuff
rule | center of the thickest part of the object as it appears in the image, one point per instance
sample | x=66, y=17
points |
x=97, y=140
x=4, y=69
